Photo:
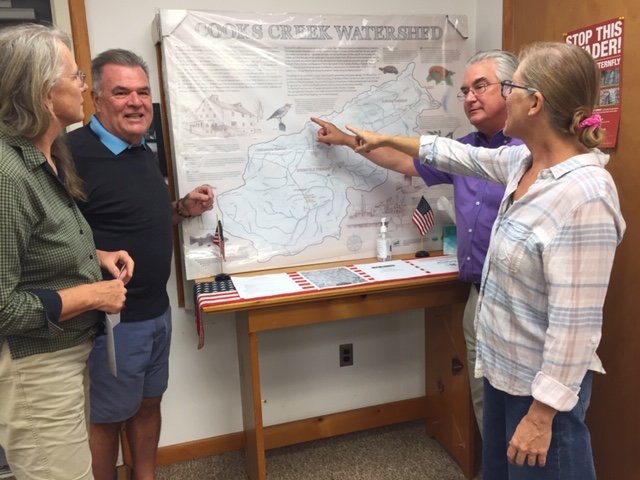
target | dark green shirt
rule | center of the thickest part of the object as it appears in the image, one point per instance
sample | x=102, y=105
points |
x=45, y=246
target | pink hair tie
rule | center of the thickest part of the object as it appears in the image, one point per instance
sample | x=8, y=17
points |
x=594, y=120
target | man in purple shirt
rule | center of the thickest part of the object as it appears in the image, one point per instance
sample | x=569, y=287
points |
x=476, y=200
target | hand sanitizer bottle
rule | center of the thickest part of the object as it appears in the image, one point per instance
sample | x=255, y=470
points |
x=383, y=244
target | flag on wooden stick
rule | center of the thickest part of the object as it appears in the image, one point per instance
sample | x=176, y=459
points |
x=218, y=239
x=423, y=216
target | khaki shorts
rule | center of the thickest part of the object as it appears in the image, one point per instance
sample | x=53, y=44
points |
x=42, y=419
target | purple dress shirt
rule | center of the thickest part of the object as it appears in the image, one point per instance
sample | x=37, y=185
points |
x=476, y=203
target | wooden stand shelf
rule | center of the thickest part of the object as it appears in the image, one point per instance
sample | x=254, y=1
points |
x=446, y=407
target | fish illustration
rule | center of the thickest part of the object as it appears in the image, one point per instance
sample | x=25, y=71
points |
x=206, y=240
x=439, y=74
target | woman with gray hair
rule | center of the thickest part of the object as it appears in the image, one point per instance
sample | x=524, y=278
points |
x=52, y=297
x=539, y=316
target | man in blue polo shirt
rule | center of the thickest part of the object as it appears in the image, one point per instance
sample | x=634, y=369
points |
x=128, y=205
x=476, y=201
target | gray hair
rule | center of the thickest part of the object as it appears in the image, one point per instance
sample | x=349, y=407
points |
x=506, y=62
x=30, y=65
x=31, y=62
x=115, y=56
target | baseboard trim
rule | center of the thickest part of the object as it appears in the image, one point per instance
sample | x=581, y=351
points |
x=299, y=431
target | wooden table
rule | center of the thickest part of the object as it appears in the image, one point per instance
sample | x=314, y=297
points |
x=446, y=406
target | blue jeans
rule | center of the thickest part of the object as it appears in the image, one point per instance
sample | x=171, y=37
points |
x=569, y=456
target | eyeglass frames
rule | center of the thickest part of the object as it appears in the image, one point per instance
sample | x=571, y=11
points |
x=79, y=75
x=507, y=87
x=477, y=90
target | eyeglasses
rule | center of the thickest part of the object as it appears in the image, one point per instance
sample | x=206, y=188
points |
x=79, y=75
x=508, y=86
x=477, y=91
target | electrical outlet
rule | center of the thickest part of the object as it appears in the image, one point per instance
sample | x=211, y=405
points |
x=346, y=354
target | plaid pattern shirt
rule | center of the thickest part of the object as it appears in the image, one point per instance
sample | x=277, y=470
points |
x=45, y=245
x=539, y=315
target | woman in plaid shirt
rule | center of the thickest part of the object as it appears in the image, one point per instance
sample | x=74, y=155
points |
x=539, y=316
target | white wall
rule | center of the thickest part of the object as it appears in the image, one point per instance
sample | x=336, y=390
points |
x=299, y=366
x=488, y=24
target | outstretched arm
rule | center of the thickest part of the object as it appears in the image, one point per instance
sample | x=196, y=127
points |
x=388, y=158
x=367, y=141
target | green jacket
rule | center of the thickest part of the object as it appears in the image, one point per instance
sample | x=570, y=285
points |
x=45, y=245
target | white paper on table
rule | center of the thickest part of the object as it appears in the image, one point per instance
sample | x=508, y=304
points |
x=265, y=285
x=437, y=265
x=392, y=270
x=111, y=322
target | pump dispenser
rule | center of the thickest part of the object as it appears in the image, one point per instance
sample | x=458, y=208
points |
x=383, y=244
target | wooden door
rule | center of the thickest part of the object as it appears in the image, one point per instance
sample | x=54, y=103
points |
x=614, y=416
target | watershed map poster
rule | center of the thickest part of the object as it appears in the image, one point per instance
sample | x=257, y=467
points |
x=240, y=89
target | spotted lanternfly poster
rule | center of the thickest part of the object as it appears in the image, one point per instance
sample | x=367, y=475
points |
x=604, y=42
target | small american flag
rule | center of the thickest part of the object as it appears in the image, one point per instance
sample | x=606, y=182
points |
x=423, y=216
x=218, y=239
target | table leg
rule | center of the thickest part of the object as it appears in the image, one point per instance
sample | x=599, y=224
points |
x=251, y=398
x=450, y=418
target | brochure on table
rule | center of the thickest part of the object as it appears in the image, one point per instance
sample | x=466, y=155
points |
x=257, y=286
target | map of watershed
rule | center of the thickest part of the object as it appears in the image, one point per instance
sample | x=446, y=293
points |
x=295, y=190
x=297, y=201
x=240, y=90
